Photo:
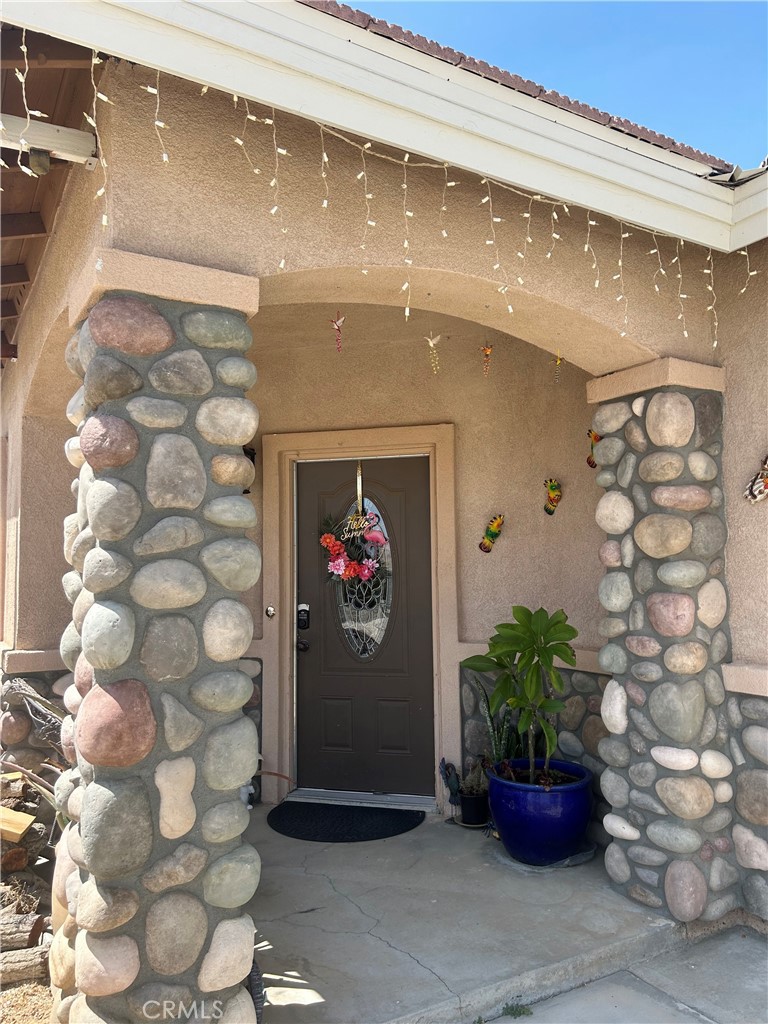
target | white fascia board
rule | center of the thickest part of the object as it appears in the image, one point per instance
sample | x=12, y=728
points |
x=750, y=212
x=302, y=61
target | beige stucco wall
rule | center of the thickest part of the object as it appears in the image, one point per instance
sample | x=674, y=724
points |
x=207, y=207
x=513, y=430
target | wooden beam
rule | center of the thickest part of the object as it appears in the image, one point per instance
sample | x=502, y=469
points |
x=42, y=52
x=16, y=273
x=8, y=310
x=21, y=225
x=7, y=349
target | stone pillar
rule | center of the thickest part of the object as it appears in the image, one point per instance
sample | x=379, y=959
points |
x=152, y=870
x=687, y=799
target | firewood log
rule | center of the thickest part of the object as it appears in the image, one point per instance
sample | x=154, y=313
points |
x=24, y=964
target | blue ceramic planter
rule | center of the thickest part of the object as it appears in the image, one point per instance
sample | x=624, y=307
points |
x=539, y=827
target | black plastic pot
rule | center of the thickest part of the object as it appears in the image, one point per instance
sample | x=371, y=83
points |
x=474, y=809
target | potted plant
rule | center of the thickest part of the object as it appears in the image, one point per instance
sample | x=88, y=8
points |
x=473, y=794
x=541, y=807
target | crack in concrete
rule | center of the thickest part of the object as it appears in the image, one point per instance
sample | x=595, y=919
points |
x=376, y=922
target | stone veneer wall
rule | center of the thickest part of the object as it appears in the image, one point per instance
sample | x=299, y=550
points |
x=580, y=730
x=686, y=778
x=152, y=870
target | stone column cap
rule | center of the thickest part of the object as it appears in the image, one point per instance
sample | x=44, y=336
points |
x=659, y=373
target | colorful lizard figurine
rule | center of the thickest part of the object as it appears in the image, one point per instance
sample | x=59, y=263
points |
x=594, y=437
x=757, y=488
x=554, y=494
x=492, y=531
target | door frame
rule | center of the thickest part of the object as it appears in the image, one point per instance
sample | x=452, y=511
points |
x=281, y=453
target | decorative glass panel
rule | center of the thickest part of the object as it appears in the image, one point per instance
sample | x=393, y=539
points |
x=364, y=605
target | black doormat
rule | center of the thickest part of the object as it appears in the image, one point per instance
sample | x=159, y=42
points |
x=333, y=823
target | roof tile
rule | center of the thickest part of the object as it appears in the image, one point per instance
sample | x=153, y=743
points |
x=493, y=74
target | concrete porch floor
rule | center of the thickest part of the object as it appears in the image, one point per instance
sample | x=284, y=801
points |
x=436, y=925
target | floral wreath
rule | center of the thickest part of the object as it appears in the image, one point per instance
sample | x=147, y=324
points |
x=357, y=558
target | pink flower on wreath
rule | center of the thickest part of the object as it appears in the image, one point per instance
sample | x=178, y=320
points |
x=368, y=568
x=338, y=565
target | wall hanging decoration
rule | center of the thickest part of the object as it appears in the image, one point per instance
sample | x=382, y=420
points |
x=337, y=324
x=491, y=535
x=434, y=358
x=594, y=437
x=554, y=494
x=486, y=350
x=360, y=568
x=757, y=488
x=558, y=362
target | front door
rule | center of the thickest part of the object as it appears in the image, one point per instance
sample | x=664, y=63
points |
x=364, y=700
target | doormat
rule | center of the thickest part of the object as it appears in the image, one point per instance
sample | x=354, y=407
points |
x=334, y=823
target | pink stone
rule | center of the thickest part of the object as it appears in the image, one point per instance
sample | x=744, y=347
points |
x=104, y=966
x=636, y=693
x=687, y=497
x=671, y=614
x=108, y=441
x=83, y=674
x=610, y=554
x=644, y=646
x=63, y=869
x=15, y=726
x=707, y=851
x=68, y=739
x=722, y=844
x=130, y=325
x=594, y=703
x=116, y=726
x=686, y=890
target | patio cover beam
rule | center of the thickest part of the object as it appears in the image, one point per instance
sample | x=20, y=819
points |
x=304, y=62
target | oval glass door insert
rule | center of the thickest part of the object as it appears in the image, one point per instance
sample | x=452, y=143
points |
x=364, y=606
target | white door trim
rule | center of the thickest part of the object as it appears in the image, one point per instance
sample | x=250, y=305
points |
x=281, y=452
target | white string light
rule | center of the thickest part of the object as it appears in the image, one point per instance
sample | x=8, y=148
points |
x=709, y=270
x=522, y=253
x=655, y=251
x=407, y=215
x=240, y=140
x=443, y=202
x=680, y=293
x=92, y=119
x=324, y=164
x=750, y=273
x=554, y=233
x=588, y=248
x=622, y=296
x=498, y=266
x=275, y=183
x=22, y=77
x=154, y=90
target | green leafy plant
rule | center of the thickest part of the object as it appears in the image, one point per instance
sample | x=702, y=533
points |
x=475, y=782
x=501, y=735
x=516, y=1010
x=523, y=654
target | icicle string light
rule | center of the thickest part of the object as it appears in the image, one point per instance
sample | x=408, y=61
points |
x=522, y=252
x=407, y=260
x=277, y=208
x=709, y=271
x=589, y=249
x=750, y=273
x=444, y=201
x=622, y=296
x=101, y=192
x=498, y=266
x=655, y=251
x=680, y=293
x=22, y=77
x=241, y=141
x=154, y=90
x=324, y=164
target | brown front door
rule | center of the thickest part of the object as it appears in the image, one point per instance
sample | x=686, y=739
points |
x=364, y=683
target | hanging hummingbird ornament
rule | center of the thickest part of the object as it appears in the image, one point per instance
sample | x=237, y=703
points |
x=434, y=358
x=337, y=324
x=486, y=350
x=558, y=362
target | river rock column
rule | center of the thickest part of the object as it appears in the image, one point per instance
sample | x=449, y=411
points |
x=152, y=870
x=688, y=800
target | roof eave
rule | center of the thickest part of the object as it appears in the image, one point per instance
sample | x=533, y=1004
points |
x=297, y=59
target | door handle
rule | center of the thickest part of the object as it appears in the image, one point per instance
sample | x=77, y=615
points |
x=302, y=645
